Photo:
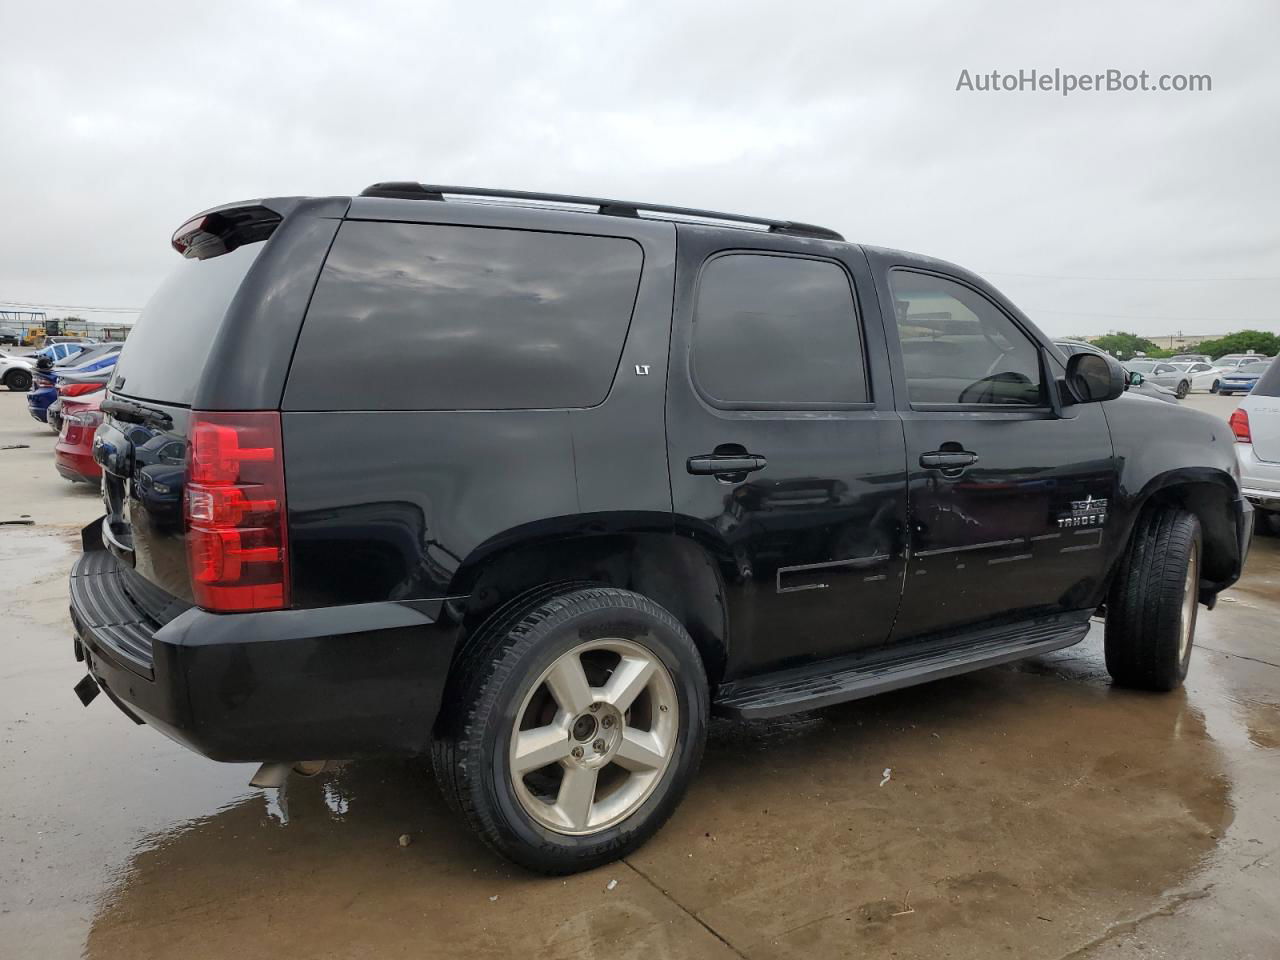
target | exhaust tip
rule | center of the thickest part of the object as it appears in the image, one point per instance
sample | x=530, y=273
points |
x=275, y=774
x=271, y=775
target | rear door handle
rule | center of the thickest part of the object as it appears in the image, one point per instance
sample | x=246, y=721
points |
x=722, y=465
x=948, y=459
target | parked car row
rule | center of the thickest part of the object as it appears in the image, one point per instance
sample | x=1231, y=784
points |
x=1187, y=373
x=17, y=370
x=65, y=383
x=1136, y=383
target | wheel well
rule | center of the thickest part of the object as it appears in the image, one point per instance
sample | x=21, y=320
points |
x=669, y=570
x=1211, y=504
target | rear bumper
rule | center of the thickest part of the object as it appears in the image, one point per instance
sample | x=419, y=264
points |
x=1265, y=499
x=287, y=685
x=78, y=467
x=1259, y=479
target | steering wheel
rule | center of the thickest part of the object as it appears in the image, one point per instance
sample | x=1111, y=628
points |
x=983, y=391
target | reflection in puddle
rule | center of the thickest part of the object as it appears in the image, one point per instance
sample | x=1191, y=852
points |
x=1015, y=793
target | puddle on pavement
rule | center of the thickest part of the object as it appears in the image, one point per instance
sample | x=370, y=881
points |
x=1026, y=809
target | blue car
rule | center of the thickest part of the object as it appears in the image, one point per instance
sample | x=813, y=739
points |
x=1243, y=377
x=59, y=352
x=44, y=391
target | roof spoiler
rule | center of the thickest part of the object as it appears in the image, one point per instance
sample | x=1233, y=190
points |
x=223, y=229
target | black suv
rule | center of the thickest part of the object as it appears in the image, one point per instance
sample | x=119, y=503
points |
x=537, y=483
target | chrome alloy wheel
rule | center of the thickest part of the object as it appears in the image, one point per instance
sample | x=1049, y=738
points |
x=594, y=736
x=1190, y=596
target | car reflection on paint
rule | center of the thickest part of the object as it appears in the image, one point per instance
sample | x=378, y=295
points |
x=812, y=520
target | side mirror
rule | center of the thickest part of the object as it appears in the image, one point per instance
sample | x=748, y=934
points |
x=1135, y=379
x=1092, y=378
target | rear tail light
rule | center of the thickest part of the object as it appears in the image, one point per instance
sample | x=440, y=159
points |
x=237, y=544
x=1239, y=421
x=78, y=389
x=76, y=425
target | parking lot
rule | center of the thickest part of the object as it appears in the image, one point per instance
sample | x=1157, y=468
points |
x=1025, y=811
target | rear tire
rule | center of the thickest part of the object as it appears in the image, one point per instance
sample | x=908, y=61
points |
x=1153, y=601
x=1183, y=389
x=523, y=673
x=19, y=381
x=1214, y=387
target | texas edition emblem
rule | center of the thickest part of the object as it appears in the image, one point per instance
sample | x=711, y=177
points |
x=1085, y=513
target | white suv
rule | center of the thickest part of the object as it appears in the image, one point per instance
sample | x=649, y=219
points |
x=1256, y=424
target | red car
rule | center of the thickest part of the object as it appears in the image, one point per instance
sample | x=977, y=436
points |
x=73, y=453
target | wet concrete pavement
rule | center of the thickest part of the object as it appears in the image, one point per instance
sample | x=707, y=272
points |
x=1030, y=811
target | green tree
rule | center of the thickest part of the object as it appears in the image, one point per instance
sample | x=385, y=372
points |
x=1126, y=345
x=1242, y=341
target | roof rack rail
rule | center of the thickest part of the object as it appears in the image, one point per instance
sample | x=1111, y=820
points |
x=409, y=190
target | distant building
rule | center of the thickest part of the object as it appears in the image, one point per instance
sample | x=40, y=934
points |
x=1169, y=341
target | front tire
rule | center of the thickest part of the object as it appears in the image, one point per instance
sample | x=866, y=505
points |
x=1153, y=601
x=572, y=728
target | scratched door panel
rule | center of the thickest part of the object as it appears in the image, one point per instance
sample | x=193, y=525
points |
x=810, y=542
x=1017, y=533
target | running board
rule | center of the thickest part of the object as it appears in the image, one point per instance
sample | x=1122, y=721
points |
x=890, y=668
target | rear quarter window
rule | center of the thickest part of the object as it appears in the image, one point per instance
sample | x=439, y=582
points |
x=435, y=317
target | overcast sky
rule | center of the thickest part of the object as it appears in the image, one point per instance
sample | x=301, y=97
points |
x=1153, y=212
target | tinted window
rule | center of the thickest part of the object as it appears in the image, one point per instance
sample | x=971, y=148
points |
x=1269, y=384
x=958, y=347
x=429, y=317
x=165, y=354
x=773, y=330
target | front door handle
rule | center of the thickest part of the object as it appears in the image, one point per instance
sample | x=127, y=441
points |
x=722, y=465
x=948, y=459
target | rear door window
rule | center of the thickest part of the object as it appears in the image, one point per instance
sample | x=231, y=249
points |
x=773, y=331
x=410, y=316
x=164, y=357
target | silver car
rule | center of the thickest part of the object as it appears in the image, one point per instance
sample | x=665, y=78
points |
x=1163, y=374
x=1256, y=424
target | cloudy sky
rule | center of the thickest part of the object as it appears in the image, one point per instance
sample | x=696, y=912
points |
x=1146, y=211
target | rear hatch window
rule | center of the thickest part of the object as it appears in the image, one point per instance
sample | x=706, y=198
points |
x=165, y=354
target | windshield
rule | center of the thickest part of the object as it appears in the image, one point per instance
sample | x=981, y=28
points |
x=1252, y=369
x=1142, y=366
